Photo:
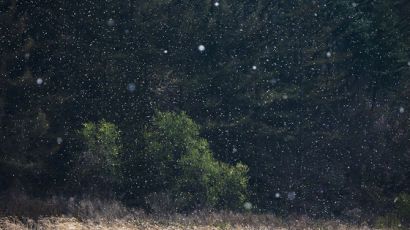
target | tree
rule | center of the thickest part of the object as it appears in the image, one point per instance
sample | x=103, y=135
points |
x=97, y=167
x=178, y=160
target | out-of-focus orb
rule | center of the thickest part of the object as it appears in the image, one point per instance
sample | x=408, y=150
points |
x=110, y=22
x=59, y=140
x=247, y=205
x=401, y=110
x=201, y=48
x=291, y=195
x=131, y=87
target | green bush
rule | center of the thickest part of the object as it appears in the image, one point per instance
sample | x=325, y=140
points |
x=183, y=163
x=390, y=220
x=166, y=142
x=403, y=207
x=205, y=182
x=399, y=216
x=98, y=165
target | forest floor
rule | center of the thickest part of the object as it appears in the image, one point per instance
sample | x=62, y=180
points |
x=212, y=221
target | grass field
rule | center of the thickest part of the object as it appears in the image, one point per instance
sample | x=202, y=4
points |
x=193, y=221
x=22, y=212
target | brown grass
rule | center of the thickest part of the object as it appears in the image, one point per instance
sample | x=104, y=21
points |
x=213, y=221
x=198, y=220
x=22, y=212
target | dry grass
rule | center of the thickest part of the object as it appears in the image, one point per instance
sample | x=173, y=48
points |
x=198, y=220
x=72, y=213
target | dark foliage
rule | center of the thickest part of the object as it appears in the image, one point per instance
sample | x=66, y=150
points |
x=312, y=96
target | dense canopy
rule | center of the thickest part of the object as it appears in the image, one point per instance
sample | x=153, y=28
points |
x=284, y=106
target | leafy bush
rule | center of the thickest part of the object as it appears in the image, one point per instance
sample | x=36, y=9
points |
x=166, y=142
x=389, y=220
x=182, y=162
x=399, y=216
x=98, y=165
x=403, y=208
x=207, y=182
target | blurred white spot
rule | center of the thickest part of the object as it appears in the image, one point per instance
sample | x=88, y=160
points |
x=401, y=110
x=273, y=81
x=110, y=22
x=165, y=51
x=285, y=96
x=216, y=4
x=408, y=63
x=291, y=195
x=39, y=81
x=328, y=54
x=26, y=56
x=201, y=48
x=247, y=205
x=395, y=200
x=131, y=87
x=254, y=67
x=234, y=150
x=354, y=4
x=315, y=14
x=277, y=195
x=59, y=140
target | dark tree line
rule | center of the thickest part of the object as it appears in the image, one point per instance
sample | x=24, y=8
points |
x=312, y=96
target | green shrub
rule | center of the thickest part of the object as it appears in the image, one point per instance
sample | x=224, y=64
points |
x=205, y=182
x=403, y=207
x=183, y=163
x=166, y=142
x=234, y=191
x=390, y=220
x=399, y=216
x=97, y=166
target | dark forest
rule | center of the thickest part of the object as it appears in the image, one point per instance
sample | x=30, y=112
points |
x=286, y=107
